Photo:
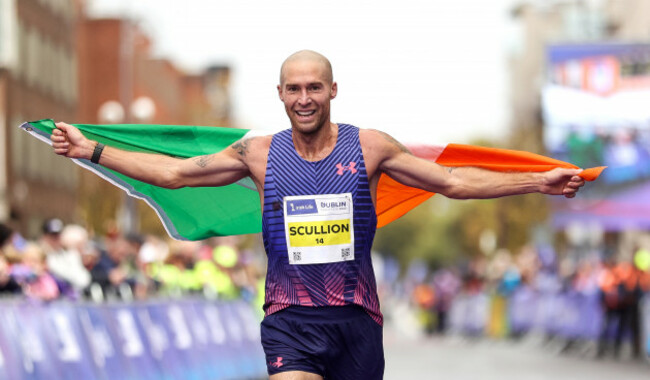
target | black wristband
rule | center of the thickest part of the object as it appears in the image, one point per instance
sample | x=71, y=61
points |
x=97, y=153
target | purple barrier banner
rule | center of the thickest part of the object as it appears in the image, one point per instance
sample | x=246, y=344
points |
x=132, y=343
x=457, y=312
x=570, y=315
x=549, y=306
x=591, y=317
x=522, y=310
x=477, y=314
x=106, y=353
x=577, y=316
x=210, y=358
x=223, y=341
x=11, y=364
x=71, y=349
x=28, y=329
x=250, y=344
x=170, y=338
x=189, y=339
x=212, y=346
x=469, y=314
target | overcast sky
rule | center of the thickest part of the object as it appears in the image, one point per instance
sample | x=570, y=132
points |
x=423, y=71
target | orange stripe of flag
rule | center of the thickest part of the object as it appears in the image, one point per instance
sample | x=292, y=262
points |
x=395, y=199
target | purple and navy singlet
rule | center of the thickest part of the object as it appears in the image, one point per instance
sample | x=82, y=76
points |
x=318, y=225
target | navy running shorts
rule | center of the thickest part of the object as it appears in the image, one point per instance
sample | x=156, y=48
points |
x=336, y=342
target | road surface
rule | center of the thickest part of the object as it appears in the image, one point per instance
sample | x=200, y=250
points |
x=459, y=359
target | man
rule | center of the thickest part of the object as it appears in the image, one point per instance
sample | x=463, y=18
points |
x=317, y=184
x=63, y=263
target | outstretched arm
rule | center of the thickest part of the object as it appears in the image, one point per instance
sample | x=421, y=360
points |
x=394, y=159
x=216, y=169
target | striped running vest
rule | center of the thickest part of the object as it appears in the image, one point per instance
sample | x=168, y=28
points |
x=318, y=225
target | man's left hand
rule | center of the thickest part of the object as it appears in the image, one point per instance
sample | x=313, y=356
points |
x=561, y=181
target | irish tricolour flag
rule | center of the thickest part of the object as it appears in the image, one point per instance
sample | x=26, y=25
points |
x=201, y=212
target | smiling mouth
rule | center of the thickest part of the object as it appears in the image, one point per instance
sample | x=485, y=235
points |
x=305, y=113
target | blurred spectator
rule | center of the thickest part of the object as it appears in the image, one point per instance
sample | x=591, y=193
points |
x=446, y=286
x=425, y=298
x=141, y=282
x=11, y=243
x=113, y=271
x=90, y=256
x=64, y=260
x=33, y=276
x=609, y=283
x=5, y=235
x=178, y=274
x=474, y=277
x=8, y=284
x=226, y=258
x=631, y=290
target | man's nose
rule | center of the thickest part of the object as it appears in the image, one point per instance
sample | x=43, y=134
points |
x=304, y=98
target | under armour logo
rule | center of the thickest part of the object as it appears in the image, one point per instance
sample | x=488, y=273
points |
x=278, y=363
x=343, y=168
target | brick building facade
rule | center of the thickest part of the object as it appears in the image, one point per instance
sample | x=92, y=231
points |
x=56, y=63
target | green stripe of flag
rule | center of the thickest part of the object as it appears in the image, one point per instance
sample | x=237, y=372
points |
x=188, y=213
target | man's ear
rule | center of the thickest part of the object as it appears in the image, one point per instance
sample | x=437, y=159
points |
x=280, y=92
x=335, y=88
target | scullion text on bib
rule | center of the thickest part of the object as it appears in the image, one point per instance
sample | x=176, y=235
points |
x=319, y=228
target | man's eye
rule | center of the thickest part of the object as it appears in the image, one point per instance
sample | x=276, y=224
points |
x=315, y=88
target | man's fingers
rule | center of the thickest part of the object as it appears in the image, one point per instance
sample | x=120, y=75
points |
x=575, y=185
x=572, y=187
x=575, y=172
x=62, y=126
x=58, y=138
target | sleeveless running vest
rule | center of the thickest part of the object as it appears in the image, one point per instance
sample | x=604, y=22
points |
x=318, y=225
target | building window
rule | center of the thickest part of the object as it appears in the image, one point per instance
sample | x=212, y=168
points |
x=21, y=69
x=18, y=157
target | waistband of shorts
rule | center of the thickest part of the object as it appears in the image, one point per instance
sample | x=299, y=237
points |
x=322, y=313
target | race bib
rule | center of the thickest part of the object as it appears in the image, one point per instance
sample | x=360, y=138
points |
x=319, y=228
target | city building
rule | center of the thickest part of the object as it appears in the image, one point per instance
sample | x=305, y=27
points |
x=38, y=66
x=56, y=63
x=121, y=82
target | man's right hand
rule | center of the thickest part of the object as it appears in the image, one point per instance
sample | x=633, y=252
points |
x=68, y=141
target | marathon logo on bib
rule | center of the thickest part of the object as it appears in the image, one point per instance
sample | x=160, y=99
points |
x=319, y=228
x=301, y=207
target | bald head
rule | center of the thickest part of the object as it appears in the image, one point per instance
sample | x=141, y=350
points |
x=312, y=56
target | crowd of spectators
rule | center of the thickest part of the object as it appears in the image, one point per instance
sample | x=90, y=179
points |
x=614, y=283
x=66, y=262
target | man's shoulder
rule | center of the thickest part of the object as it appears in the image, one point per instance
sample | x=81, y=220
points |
x=256, y=142
x=373, y=137
x=378, y=146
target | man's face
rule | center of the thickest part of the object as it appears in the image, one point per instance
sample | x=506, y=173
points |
x=306, y=93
